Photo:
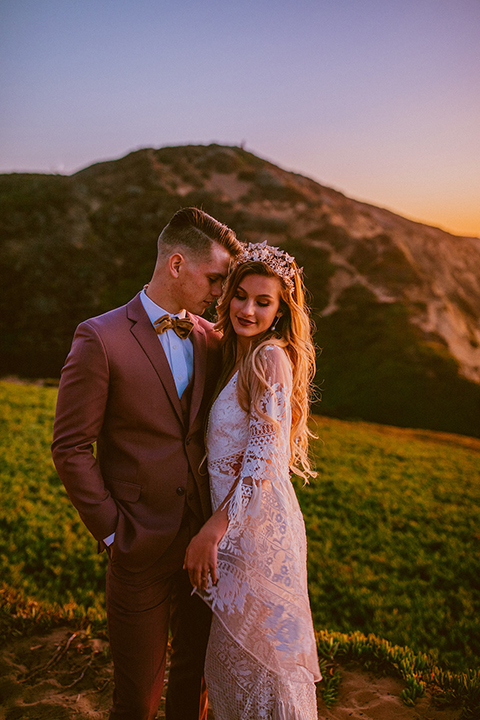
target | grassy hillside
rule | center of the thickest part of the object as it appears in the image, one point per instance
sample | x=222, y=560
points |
x=74, y=247
x=44, y=548
x=392, y=518
x=394, y=537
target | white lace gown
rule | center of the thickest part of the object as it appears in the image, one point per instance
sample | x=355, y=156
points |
x=261, y=660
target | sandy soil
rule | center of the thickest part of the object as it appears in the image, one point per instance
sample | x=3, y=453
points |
x=365, y=697
x=64, y=674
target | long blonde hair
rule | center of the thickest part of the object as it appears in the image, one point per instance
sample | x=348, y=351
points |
x=293, y=334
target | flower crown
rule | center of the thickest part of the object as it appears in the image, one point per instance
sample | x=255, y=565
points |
x=278, y=260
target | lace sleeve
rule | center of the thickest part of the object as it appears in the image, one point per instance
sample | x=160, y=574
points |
x=267, y=455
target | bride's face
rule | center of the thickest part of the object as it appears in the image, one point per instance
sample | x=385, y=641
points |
x=254, y=306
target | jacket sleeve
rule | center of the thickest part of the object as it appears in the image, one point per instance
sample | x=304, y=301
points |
x=82, y=399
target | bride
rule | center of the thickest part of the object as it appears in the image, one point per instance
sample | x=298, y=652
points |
x=248, y=562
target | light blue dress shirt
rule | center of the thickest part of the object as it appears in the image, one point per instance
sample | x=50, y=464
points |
x=179, y=352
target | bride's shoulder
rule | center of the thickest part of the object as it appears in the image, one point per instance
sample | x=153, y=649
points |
x=274, y=357
x=273, y=351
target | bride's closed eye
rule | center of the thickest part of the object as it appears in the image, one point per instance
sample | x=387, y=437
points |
x=260, y=303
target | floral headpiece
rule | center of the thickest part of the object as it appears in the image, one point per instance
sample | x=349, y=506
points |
x=278, y=260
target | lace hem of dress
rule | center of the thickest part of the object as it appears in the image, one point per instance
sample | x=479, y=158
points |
x=241, y=688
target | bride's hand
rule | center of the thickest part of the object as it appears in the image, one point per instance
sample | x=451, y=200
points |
x=201, y=553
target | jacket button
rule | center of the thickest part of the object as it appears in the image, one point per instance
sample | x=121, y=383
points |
x=187, y=441
x=180, y=491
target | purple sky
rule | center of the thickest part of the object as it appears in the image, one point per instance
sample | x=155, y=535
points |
x=377, y=98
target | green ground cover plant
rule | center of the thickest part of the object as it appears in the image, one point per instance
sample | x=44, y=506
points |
x=393, y=521
x=393, y=524
x=45, y=550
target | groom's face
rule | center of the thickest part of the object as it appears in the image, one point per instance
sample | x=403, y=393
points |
x=200, y=280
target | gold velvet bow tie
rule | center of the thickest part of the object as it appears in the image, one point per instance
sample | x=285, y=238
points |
x=182, y=326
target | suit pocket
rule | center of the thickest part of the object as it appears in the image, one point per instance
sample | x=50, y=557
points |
x=121, y=490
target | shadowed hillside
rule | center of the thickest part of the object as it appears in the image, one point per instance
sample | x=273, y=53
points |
x=396, y=303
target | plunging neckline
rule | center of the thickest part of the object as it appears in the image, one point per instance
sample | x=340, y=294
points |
x=226, y=385
x=216, y=400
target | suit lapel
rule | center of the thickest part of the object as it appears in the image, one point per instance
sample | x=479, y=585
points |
x=199, y=341
x=147, y=338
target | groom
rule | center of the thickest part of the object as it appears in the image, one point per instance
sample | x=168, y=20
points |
x=137, y=383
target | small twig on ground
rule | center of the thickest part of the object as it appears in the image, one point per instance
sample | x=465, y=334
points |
x=80, y=677
x=57, y=655
x=101, y=688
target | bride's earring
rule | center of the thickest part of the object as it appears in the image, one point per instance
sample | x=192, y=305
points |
x=273, y=327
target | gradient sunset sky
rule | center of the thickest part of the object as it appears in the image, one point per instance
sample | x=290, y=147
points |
x=377, y=98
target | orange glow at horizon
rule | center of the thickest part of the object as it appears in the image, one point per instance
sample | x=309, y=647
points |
x=463, y=221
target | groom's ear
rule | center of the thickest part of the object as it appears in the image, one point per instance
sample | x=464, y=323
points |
x=175, y=262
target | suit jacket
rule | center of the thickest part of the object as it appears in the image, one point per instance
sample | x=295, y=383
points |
x=117, y=390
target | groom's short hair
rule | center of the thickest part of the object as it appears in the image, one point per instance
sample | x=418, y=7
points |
x=195, y=230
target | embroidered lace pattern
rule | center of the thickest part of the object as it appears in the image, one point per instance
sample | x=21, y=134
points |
x=261, y=659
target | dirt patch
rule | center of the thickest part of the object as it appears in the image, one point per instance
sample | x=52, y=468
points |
x=60, y=674
x=363, y=696
x=65, y=674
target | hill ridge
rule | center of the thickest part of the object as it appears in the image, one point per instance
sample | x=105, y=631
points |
x=396, y=302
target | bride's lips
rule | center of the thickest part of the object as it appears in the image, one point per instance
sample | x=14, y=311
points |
x=245, y=323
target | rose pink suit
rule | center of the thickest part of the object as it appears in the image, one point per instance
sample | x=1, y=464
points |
x=145, y=485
